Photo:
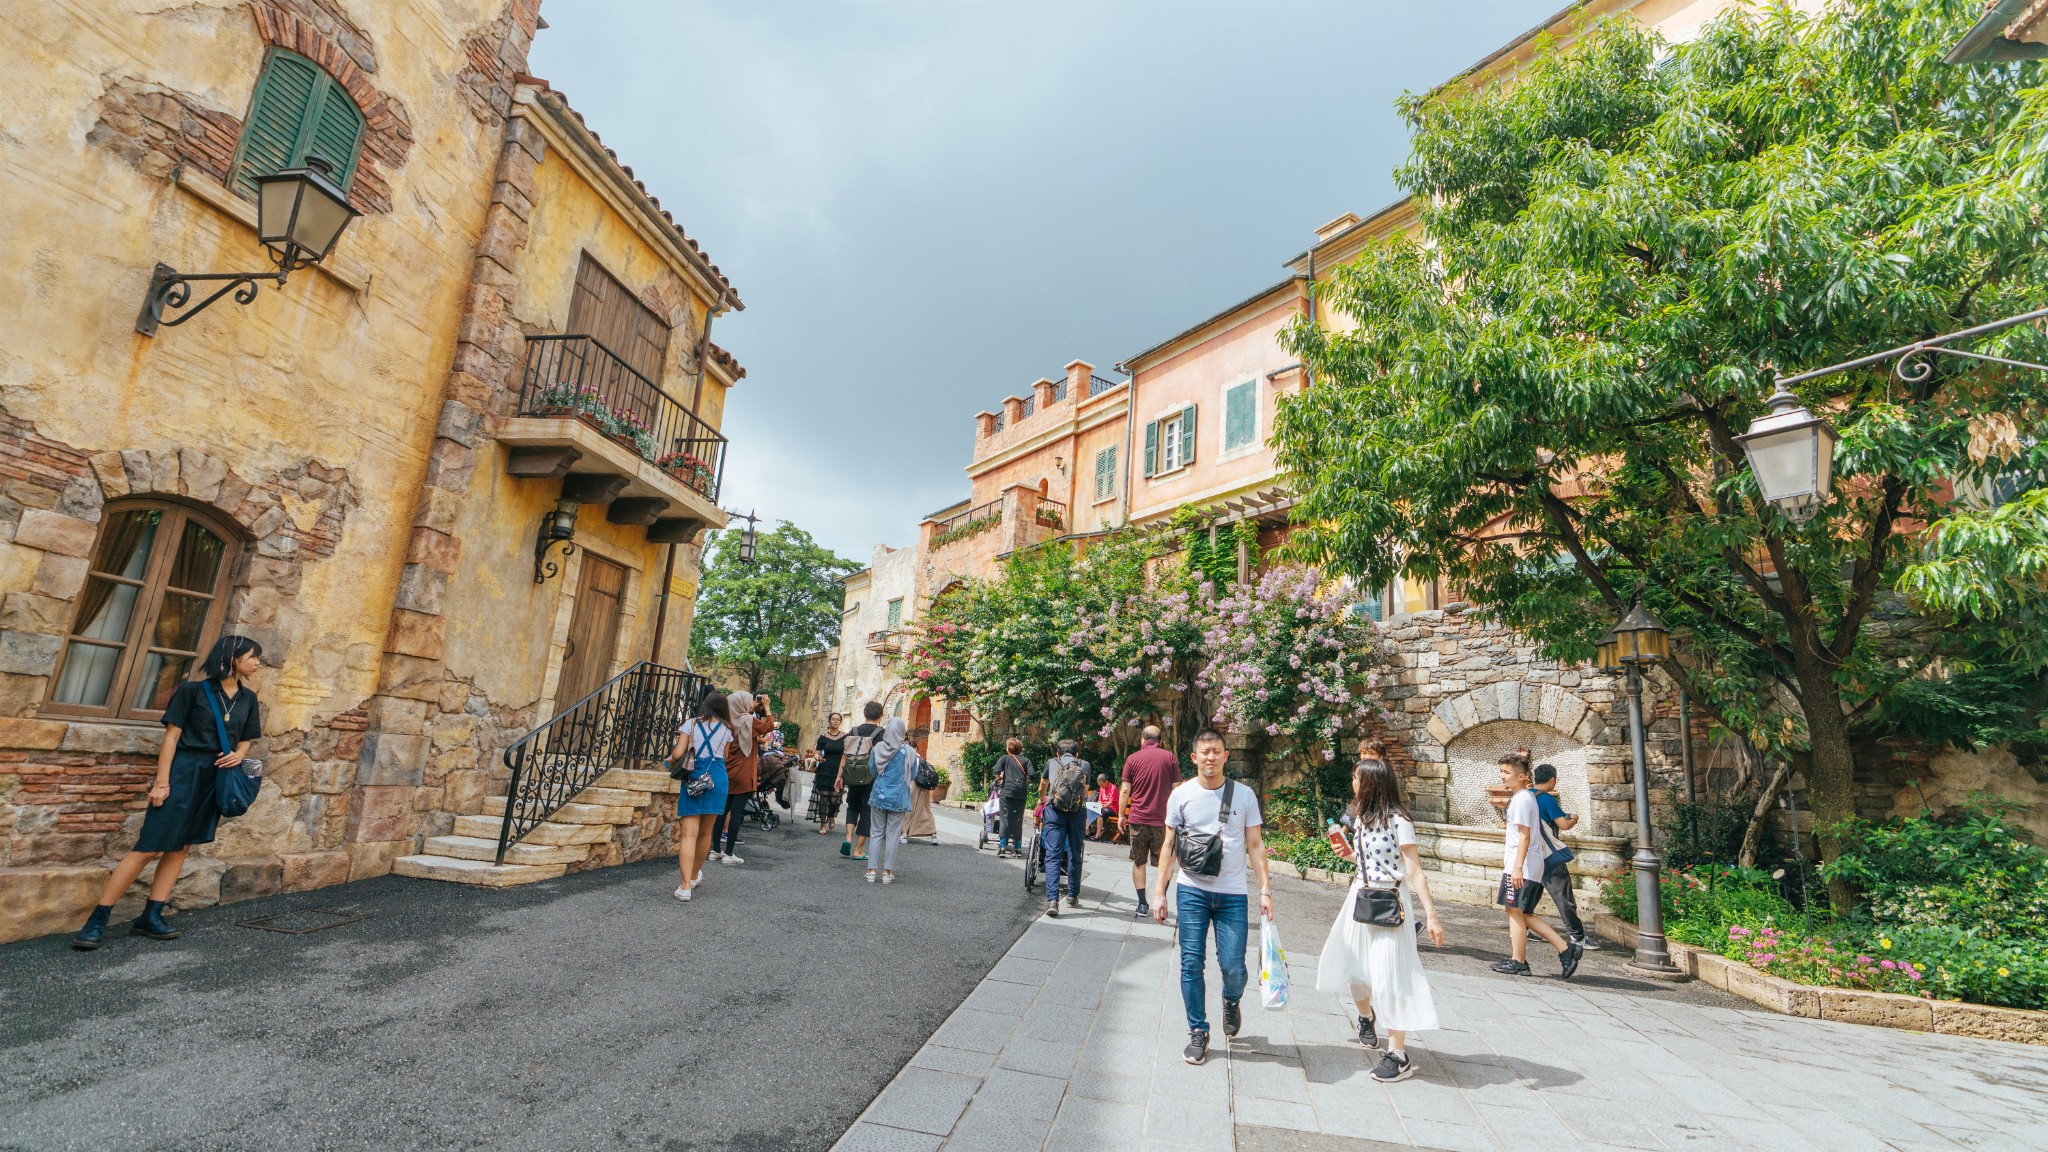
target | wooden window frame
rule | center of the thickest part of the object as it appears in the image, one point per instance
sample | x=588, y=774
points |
x=326, y=89
x=142, y=620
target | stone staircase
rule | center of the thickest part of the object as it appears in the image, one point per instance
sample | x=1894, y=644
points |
x=571, y=836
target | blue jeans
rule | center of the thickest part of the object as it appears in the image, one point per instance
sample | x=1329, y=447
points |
x=1063, y=832
x=1197, y=911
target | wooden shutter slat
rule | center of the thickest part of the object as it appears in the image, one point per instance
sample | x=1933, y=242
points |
x=336, y=130
x=1187, y=435
x=1152, y=448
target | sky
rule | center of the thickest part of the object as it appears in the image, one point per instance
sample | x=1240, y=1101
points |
x=927, y=206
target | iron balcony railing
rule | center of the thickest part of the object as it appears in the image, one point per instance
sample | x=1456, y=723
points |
x=576, y=376
x=1097, y=385
x=1050, y=513
x=993, y=508
x=632, y=719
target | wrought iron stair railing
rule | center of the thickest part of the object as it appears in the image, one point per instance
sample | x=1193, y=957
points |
x=632, y=718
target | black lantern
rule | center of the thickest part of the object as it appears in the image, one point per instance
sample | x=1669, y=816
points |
x=1637, y=641
x=1792, y=453
x=556, y=527
x=748, y=540
x=300, y=214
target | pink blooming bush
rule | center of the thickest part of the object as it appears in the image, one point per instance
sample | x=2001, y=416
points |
x=1814, y=960
x=1288, y=658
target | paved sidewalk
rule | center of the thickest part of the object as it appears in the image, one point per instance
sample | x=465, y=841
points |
x=1073, y=1041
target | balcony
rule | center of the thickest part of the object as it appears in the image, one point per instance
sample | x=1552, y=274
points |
x=1050, y=514
x=885, y=642
x=586, y=411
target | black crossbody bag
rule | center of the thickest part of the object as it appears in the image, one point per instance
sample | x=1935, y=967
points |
x=1201, y=853
x=1380, y=907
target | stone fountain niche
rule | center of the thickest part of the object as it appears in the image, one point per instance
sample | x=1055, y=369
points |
x=1474, y=760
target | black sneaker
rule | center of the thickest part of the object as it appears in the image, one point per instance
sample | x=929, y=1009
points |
x=1393, y=1066
x=1511, y=967
x=1052, y=909
x=1233, y=1017
x=1368, y=1035
x=1198, y=1046
x=1568, y=960
x=1073, y=901
x=1144, y=909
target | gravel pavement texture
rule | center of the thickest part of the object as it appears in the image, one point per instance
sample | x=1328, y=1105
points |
x=591, y=1011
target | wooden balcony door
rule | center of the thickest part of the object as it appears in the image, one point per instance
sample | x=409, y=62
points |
x=605, y=311
x=593, y=630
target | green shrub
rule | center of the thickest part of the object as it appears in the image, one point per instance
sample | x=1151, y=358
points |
x=1960, y=965
x=1710, y=831
x=1964, y=870
x=977, y=759
x=1305, y=852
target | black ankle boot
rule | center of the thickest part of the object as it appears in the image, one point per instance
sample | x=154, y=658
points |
x=152, y=923
x=88, y=938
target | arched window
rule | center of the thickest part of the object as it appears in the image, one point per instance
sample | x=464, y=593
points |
x=297, y=110
x=152, y=604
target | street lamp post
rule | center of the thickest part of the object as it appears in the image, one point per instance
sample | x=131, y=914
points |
x=1636, y=642
x=748, y=540
x=1792, y=454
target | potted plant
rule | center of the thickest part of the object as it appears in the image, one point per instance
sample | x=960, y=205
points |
x=945, y=785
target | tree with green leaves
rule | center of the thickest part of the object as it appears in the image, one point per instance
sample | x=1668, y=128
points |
x=1624, y=247
x=757, y=618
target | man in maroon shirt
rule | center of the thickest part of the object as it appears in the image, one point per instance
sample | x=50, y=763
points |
x=1150, y=776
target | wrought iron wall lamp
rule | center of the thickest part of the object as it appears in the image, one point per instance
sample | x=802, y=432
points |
x=300, y=213
x=556, y=527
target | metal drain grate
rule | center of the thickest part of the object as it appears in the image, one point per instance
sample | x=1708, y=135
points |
x=304, y=920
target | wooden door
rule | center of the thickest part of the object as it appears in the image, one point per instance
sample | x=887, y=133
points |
x=593, y=630
x=603, y=310
x=921, y=724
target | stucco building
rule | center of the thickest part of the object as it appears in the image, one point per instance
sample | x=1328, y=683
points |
x=356, y=467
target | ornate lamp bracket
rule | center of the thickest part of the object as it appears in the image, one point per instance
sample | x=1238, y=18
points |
x=1915, y=361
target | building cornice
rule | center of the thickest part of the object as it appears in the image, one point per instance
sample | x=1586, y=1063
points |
x=1073, y=425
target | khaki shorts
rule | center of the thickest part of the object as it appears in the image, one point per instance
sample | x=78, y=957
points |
x=1146, y=840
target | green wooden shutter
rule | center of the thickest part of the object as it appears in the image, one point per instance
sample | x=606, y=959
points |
x=285, y=93
x=1187, y=434
x=1105, y=473
x=297, y=109
x=336, y=132
x=1152, y=448
x=1240, y=416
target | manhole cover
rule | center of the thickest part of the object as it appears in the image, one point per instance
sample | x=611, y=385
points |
x=304, y=920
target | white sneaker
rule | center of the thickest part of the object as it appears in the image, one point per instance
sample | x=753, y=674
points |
x=929, y=839
x=888, y=877
x=683, y=894
x=871, y=877
x=729, y=858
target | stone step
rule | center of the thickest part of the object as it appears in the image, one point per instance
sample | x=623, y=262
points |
x=479, y=848
x=486, y=828
x=575, y=813
x=639, y=781
x=478, y=872
x=611, y=797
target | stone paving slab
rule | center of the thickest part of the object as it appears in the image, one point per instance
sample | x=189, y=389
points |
x=1073, y=1043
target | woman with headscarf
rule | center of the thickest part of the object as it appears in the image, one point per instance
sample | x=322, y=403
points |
x=742, y=768
x=895, y=761
x=920, y=824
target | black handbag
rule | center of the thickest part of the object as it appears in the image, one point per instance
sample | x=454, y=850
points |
x=1201, y=853
x=1380, y=907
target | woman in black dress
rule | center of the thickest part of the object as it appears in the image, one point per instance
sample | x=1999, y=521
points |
x=825, y=781
x=182, y=810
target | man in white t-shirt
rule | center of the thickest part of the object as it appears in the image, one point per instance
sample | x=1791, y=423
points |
x=1216, y=892
x=1521, y=879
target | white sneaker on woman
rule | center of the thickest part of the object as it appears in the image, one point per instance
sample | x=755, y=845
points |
x=729, y=858
x=683, y=894
x=871, y=876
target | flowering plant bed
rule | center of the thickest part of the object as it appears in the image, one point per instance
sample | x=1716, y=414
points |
x=690, y=470
x=963, y=531
x=1050, y=518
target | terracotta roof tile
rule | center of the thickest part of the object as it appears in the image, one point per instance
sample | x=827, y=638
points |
x=727, y=361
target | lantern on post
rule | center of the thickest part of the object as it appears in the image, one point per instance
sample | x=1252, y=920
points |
x=749, y=540
x=1636, y=642
x=1792, y=454
x=300, y=214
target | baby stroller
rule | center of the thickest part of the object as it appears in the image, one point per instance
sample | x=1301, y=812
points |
x=1034, y=856
x=991, y=822
x=772, y=781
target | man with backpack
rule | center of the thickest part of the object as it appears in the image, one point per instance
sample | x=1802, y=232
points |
x=858, y=774
x=1065, y=793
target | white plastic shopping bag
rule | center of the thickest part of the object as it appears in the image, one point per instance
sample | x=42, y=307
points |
x=1272, y=967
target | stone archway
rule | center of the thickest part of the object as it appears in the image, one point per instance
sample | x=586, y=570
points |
x=1474, y=756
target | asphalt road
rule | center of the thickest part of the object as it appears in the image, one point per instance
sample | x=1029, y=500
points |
x=593, y=1011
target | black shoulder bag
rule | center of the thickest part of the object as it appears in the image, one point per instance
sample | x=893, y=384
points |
x=1380, y=907
x=1201, y=853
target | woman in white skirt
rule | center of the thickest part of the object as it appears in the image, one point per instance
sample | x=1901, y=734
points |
x=1377, y=966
